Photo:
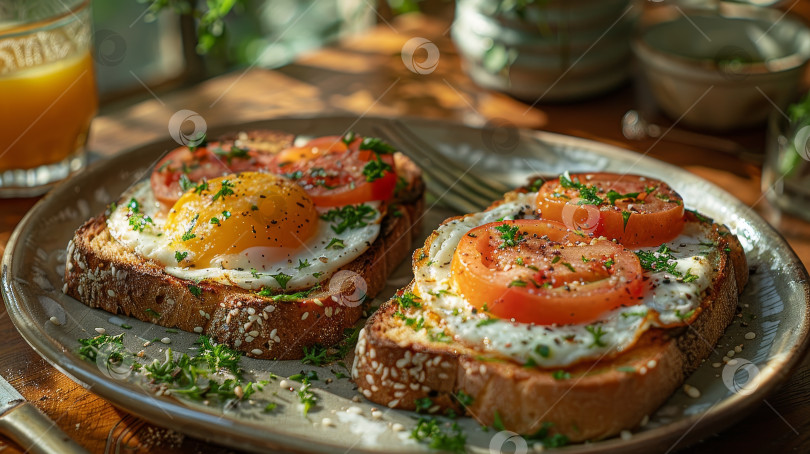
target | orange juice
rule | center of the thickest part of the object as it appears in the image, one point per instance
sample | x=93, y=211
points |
x=45, y=112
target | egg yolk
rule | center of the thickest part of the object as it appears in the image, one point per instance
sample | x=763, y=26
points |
x=241, y=221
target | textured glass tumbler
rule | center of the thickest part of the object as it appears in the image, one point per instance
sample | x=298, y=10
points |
x=47, y=92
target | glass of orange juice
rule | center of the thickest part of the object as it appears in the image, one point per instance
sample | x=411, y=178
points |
x=47, y=92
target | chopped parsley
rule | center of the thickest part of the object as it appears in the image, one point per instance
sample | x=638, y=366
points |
x=587, y=194
x=543, y=350
x=609, y=263
x=536, y=184
x=684, y=316
x=134, y=206
x=91, y=347
x=660, y=260
x=225, y=189
x=282, y=279
x=625, y=217
x=689, y=277
x=293, y=175
x=139, y=221
x=219, y=356
x=612, y=196
x=180, y=256
x=440, y=336
x=226, y=214
x=428, y=430
x=302, y=264
x=215, y=220
x=305, y=377
x=561, y=375
x=375, y=169
x=700, y=217
x=423, y=404
x=185, y=183
x=597, y=334
x=307, y=397
x=254, y=273
x=335, y=243
x=517, y=283
x=376, y=145
x=188, y=235
x=349, y=217
x=152, y=313
x=464, y=398
x=196, y=291
x=234, y=152
x=486, y=321
x=510, y=235
x=408, y=300
x=266, y=292
x=569, y=266
x=348, y=138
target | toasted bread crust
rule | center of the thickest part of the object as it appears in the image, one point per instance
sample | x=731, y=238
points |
x=600, y=399
x=102, y=274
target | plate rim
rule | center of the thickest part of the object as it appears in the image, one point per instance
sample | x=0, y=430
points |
x=722, y=414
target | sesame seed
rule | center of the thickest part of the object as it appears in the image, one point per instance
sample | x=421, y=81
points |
x=626, y=434
x=101, y=330
x=254, y=333
x=251, y=311
x=256, y=351
x=691, y=391
x=284, y=384
x=198, y=329
x=730, y=353
x=750, y=335
x=304, y=316
x=55, y=321
x=326, y=422
x=354, y=410
x=397, y=427
x=166, y=340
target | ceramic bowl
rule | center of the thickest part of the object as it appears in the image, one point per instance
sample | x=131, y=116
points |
x=723, y=69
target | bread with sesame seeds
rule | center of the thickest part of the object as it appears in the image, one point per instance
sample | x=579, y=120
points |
x=102, y=273
x=406, y=365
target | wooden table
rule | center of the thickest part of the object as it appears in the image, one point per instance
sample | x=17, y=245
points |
x=365, y=76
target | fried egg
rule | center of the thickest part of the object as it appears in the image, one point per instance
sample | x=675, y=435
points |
x=667, y=301
x=253, y=230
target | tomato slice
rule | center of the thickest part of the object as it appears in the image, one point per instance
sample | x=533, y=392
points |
x=210, y=161
x=635, y=210
x=335, y=173
x=534, y=271
x=334, y=170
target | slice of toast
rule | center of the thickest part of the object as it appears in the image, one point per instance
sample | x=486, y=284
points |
x=102, y=274
x=590, y=400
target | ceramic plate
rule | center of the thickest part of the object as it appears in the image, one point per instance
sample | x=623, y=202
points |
x=774, y=305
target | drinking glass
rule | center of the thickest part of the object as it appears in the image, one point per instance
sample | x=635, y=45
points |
x=786, y=171
x=47, y=92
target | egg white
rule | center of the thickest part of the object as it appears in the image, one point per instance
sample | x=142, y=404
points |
x=153, y=243
x=566, y=344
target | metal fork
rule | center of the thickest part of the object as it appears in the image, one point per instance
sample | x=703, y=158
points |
x=449, y=181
